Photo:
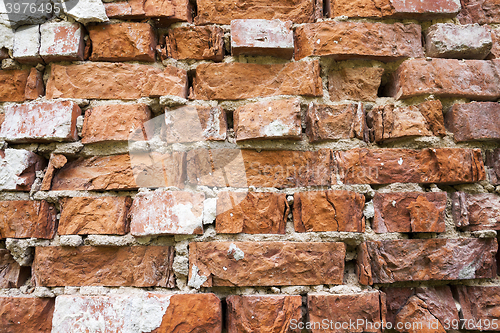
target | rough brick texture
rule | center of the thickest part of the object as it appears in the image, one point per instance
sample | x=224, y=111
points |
x=480, y=307
x=474, y=121
x=26, y=314
x=200, y=43
x=117, y=81
x=133, y=266
x=12, y=275
x=329, y=211
x=166, y=12
x=493, y=163
x=476, y=211
x=40, y=122
x=479, y=11
x=61, y=41
x=358, y=84
x=271, y=263
x=19, y=169
x=26, y=219
x=346, y=40
x=13, y=85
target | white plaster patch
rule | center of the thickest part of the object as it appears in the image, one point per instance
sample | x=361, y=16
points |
x=27, y=43
x=71, y=45
x=237, y=253
x=276, y=128
x=116, y=313
x=86, y=11
x=209, y=210
x=12, y=165
x=196, y=279
x=6, y=37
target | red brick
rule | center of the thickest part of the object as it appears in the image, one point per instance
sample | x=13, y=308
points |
x=127, y=313
x=199, y=43
x=115, y=81
x=159, y=170
x=268, y=120
x=493, y=164
x=474, y=79
x=479, y=11
x=94, y=216
x=166, y=11
x=426, y=259
x=4, y=53
x=495, y=48
x=11, y=274
x=115, y=122
x=41, y=122
x=474, y=121
x=243, y=168
x=222, y=12
x=426, y=166
x=26, y=314
x=128, y=266
x=447, y=40
x=193, y=123
x=271, y=263
x=167, y=213
x=334, y=122
x=26, y=219
x=34, y=85
x=123, y=42
x=367, y=307
x=13, y=85
x=19, y=169
x=262, y=38
x=328, y=211
x=389, y=122
x=476, y=211
x=255, y=313
x=251, y=213
x=436, y=303
x=405, y=212
x=479, y=306
x=358, y=84
x=358, y=40
x=240, y=80
x=95, y=173
x=56, y=162
x=61, y=41
x=424, y=10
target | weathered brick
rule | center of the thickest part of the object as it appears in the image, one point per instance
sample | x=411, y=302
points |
x=424, y=10
x=358, y=40
x=255, y=313
x=128, y=266
x=480, y=307
x=94, y=216
x=61, y=41
x=167, y=213
x=128, y=41
x=159, y=170
x=474, y=79
x=147, y=312
x=271, y=263
x=34, y=85
x=328, y=211
x=385, y=166
x=26, y=314
x=334, y=122
x=446, y=40
x=426, y=259
x=40, y=122
x=358, y=84
x=368, y=307
x=476, y=211
x=278, y=119
x=115, y=81
x=222, y=12
x=12, y=275
x=251, y=213
x=27, y=44
x=240, y=80
x=474, y=121
x=479, y=11
x=243, y=168
x=409, y=212
x=495, y=48
x=193, y=123
x=115, y=122
x=199, y=43
x=432, y=307
x=389, y=122
x=26, y=219
x=13, y=85
x=95, y=173
x=262, y=38
x=493, y=164
x=19, y=169
x=166, y=12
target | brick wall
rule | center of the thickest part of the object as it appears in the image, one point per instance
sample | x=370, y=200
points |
x=247, y=166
